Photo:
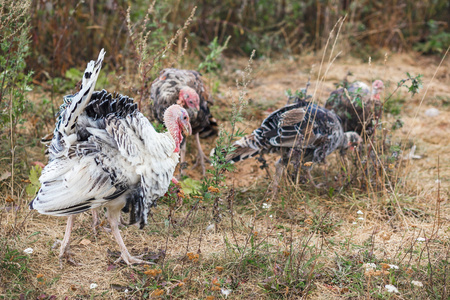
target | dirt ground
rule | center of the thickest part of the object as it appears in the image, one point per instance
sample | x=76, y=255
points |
x=271, y=78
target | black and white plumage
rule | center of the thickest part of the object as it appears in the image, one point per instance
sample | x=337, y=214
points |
x=186, y=88
x=104, y=152
x=301, y=132
x=357, y=106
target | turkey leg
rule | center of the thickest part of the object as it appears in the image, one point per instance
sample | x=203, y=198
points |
x=65, y=244
x=182, y=160
x=113, y=218
x=278, y=174
x=201, y=157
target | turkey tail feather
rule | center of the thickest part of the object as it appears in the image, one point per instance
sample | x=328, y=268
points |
x=81, y=99
x=246, y=147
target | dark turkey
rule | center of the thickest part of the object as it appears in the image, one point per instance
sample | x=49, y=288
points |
x=357, y=105
x=302, y=132
x=186, y=88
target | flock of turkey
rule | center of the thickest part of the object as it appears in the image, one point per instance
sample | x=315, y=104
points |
x=105, y=153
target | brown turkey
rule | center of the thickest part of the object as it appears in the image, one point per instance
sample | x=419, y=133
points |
x=186, y=88
x=357, y=105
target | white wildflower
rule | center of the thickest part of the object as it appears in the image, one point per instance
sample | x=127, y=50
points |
x=126, y=291
x=354, y=223
x=370, y=266
x=270, y=216
x=438, y=181
x=266, y=205
x=359, y=212
x=210, y=227
x=432, y=112
x=393, y=267
x=360, y=218
x=28, y=250
x=417, y=283
x=391, y=289
x=93, y=286
x=226, y=292
x=421, y=239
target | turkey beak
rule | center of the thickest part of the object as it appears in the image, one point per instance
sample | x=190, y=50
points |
x=197, y=106
x=187, y=130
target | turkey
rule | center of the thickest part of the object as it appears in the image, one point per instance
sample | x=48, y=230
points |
x=105, y=153
x=186, y=88
x=301, y=132
x=357, y=106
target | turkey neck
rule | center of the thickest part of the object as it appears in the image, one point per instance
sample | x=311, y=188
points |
x=171, y=124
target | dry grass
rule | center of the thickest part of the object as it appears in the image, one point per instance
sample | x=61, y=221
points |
x=268, y=237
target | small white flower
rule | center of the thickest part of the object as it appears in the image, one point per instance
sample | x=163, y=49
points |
x=93, y=286
x=417, y=283
x=266, y=205
x=226, y=292
x=28, y=250
x=420, y=239
x=126, y=291
x=437, y=181
x=393, y=267
x=270, y=216
x=370, y=266
x=391, y=289
x=354, y=223
x=210, y=227
x=361, y=218
x=359, y=212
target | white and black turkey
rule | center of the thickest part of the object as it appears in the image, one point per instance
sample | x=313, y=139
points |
x=104, y=152
x=357, y=106
x=302, y=132
x=186, y=88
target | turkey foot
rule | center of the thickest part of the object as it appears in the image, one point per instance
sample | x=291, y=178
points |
x=130, y=260
x=113, y=218
x=317, y=186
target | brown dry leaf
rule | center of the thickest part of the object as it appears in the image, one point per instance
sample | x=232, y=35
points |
x=158, y=292
x=385, y=266
x=215, y=288
x=9, y=199
x=219, y=269
x=5, y=175
x=85, y=242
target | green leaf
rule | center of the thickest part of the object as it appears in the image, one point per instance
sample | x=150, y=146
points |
x=74, y=74
x=190, y=185
x=33, y=187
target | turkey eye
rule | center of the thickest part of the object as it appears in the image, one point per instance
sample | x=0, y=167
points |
x=185, y=117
